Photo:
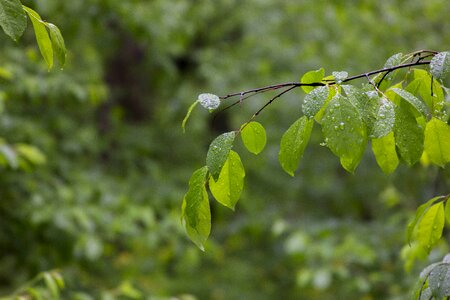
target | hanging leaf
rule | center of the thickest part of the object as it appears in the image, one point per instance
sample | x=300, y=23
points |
x=419, y=213
x=340, y=76
x=413, y=100
x=314, y=101
x=384, y=119
x=344, y=132
x=218, y=152
x=428, y=88
x=58, y=44
x=409, y=135
x=13, y=19
x=440, y=65
x=430, y=226
x=188, y=114
x=253, y=136
x=385, y=154
x=51, y=284
x=42, y=37
x=312, y=77
x=209, y=101
x=228, y=188
x=437, y=141
x=439, y=281
x=195, y=211
x=293, y=144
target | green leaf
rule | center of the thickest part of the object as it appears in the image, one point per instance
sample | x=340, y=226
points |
x=408, y=134
x=218, y=152
x=312, y=77
x=430, y=226
x=344, y=131
x=440, y=65
x=33, y=154
x=394, y=60
x=419, y=213
x=51, y=284
x=314, y=101
x=188, y=114
x=228, y=188
x=425, y=294
x=340, y=76
x=293, y=144
x=437, y=141
x=253, y=136
x=384, y=118
x=13, y=19
x=428, y=88
x=58, y=44
x=413, y=100
x=42, y=37
x=209, y=101
x=384, y=150
x=439, y=281
x=195, y=211
x=447, y=211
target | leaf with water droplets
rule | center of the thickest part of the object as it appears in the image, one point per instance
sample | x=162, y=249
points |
x=439, y=281
x=408, y=134
x=384, y=150
x=209, y=101
x=437, y=141
x=384, y=119
x=12, y=18
x=312, y=77
x=195, y=211
x=253, y=136
x=218, y=152
x=228, y=188
x=340, y=76
x=293, y=144
x=394, y=60
x=430, y=226
x=314, y=101
x=345, y=132
x=428, y=88
x=419, y=106
x=440, y=65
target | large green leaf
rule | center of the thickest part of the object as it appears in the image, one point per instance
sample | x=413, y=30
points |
x=228, y=188
x=437, y=141
x=293, y=144
x=13, y=19
x=439, y=281
x=440, y=65
x=218, y=152
x=409, y=135
x=195, y=212
x=311, y=77
x=314, y=101
x=42, y=37
x=344, y=131
x=413, y=100
x=385, y=154
x=253, y=136
x=58, y=44
x=430, y=226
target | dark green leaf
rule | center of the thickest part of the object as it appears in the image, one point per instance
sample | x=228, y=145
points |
x=228, y=188
x=314, y=101
x=58, y=44
x=312, y=77
x=437, y=141
x=439, y=281
x=253, y=136
x=413, y=100
x=430, y=226
x=218, y=152
x=440, y=65
x=293, y=144
x=385, y=154
x=195, y=212
x=344, y=132
x=13, y=19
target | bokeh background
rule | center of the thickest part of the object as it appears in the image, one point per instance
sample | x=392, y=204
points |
x=98, y=194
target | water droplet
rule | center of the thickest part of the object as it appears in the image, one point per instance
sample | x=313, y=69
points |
x=342, y=125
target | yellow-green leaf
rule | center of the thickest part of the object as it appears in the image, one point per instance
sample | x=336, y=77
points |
x=384, y=150
x=437, y=141
x=312, y=77
x=228, y=188
x=253, y=136
x=58, y=44
x=430, y=226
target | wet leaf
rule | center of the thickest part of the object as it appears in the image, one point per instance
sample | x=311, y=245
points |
x=437, y=141
x=430, y=226
x=440, y=65
x=409, y=136
x=218, y=152
x=209, y=101
x=439, y=281
x=413, y=100
x=13, y=19
x=314, y=101
x=385, y=154
x=253, y=136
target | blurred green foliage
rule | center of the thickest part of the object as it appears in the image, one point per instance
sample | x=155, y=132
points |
x=96, y=192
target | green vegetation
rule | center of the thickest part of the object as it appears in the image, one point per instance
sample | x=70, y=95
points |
x=93, y=162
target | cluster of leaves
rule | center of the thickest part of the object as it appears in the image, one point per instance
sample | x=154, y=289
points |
x=13, y=20
x=405, y=119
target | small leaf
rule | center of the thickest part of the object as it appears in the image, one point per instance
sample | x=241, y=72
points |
x=428, y=88
x=413, y=100
x=439, y=281
x=408, y=134
x=344, y=132
x=51, y=284
x=42, y=37
x=312, y=77
x=430, y=226
x=253, y=136
x=228, y=188
x=293, y=144
x=419, y=213
x=209, y=101
x=393, y=61
x=188, y=114
x=314, y=101
x=440, y=65
x=218, y=152
x=13, y=19
x=195, y=211
x=58, y=44
x=340, y=76
x=437, y=141
x=385, y=154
